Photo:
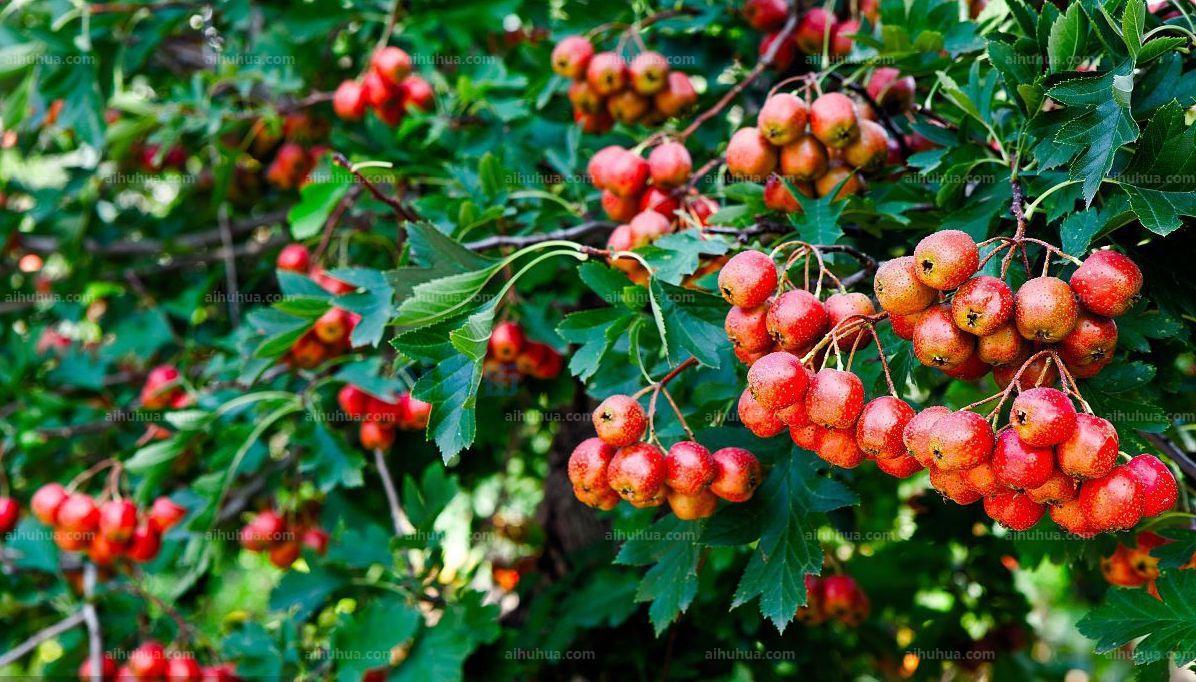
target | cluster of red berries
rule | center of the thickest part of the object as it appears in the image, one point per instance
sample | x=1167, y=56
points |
x=284, y=539
x=646, y=196
x=162, y=390
x=839, y=145
x=329, y=335
x=834, y=597
x=606, y=88
x=1134, y=566
x=379, y=418
x=387, y=86
x=151, y=661
x=1050, y=456
x=510, y=355
x=108, y=530
x=617, y=464
x=987, y=326
x=816, y=28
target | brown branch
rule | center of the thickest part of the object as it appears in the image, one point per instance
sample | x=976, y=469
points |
x=333, y=219
x=529, y=239
x=45, y=634
x=402, y=524
x=405, y=212
x=153, y=247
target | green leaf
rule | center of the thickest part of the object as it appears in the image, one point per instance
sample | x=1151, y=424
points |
x=309, y=307
x=1159, y=47
x=1097, y=122
x=450, y=386
x=1166, y=625
x=611, y=285
x=374, y=302
x=596, y=332
x=439, y=652
x=1158, y=180
x=330, y=463
x=316, y=202
x=690, y=322
x=1178, y=552
x=363, y=640
x=670, y=546
x=674, y=256
x=432, y=301
x=1069, y=34
x=300, y=594
x=1133, y=20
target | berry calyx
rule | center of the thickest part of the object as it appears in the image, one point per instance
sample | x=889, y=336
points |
x=982, y=305
x=946, y=259
x=898, y=288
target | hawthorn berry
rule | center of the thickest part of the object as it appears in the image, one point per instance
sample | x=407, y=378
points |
x=782, y=119
x=737, y=474
x=946, y=259
x=588, y=462
x=835, y=398
x=841, y=307
x=1020, y=466
x=1091, y=342
x=506, y=341
x=294, y=258
x=678, y=95
x=108, y=669
x=619, y=420
x=902, y=466
x=816, y=26
x=777, y=380
x=765, y=15
x=1112, y=502
x=1107, y=283
x=1070, y=516
x=333, y=327
x=881, y=425
x=796, y=319
x=953, y=485
x=806, y=435
x=960, y=440
x=637, y=473
x=870, y=149
x=692, y=506
x=117, y=519
x=1014, y=510
x=838, y=175
x=1002, y=346
x=391, y=63
x=1042, y=416
x=669, y=165
x=938, y=342
x=983, y=479
x=607, y=73
x=748, y=279
x=916, y=434
x=1045, y=309
x=804, y=159
x=1156, y=484
x=761, y=422
x=838, y=446
x=376, y=435
x=571, y=56
x=353, y=401
x=892, y=91
x=648, y=226
x=750, y=156
x=625, y=174
x=1090, y=450
x=778, y=196
x=982, y=305
x=78, y=514
x=747, y=328
x=648, y=72
x=10, y=513
x=833, y=119
x=898, y=289
x=164, y=514
x=47, y=501
x=689, y=467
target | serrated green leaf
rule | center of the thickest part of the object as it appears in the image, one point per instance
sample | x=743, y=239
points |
x=1166, y=625
x=1069, y=34
x=690, y=322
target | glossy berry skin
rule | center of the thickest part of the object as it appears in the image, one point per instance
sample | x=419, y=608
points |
x=165, y=514
x=677, y=96
x=506, y=340
x=1042, y=417
x=881, y=425
x=598, y=498
x=285, y=554
x=761, y=422
x=353, y=401
x=839, y=447
x=939, y=342
x=692, y=506
x=607, y=73
x=333, y=327
x=898, y=289
x=625, y=174
x=870, y=149
x=10, y=513
x=600, y=165
x=294, y=258
x=816, y=25
x=835, y=398
x=1090, y=450
x=1107, y=283
x=891, y=90
x=946, y=259
x=853, y=183
x=843, y=307
x=1020, y=466
x=916, y=434
x=648, y=73
x=1015, y=511
x=46, y=502
x=619, y=420
x=108, y=668
x=1156, y=484
x=960, y=440
x=391, y=63
x=747, y=328
x=982, y=305
x=417, y=94
x=148, y=661
x=833, y=120
x=349, y=101
x=804, y=159
x=183, y=668
x=748, y=279
x=1045, y=309
x=899, y=467
x=1070, y=516
x=619, y=208
x=1092, y=341
x=1057, y=489
x=78, y=514
x=669, y=165
x=765, y=15
x=571, y=56
x=737, y=474
x=750, y=156
x=117, y=520
x=983, y=479
x=588, y=465
x=796, y=319
x=953, y=485
x=637, y=473
x=795, y=414
x=1112, y=502
x=1002, y=346
x=782, y=119
x=777, y=380
x=648, y=226
x=689, y=468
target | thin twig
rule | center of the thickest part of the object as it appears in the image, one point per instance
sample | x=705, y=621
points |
x=405, y=212
x=95, y=642
x=230, y=265
x=402, y=524
x=529, y=239
x=334, y=219
x=45, y=634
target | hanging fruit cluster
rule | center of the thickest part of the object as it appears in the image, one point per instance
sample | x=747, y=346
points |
x=387, y=86
x=1048, y=456
x=833, y=597
x=606, y=88
x=816, y=29
x=618, y=464
x=815, y=147
x=162, y=389
x=1135, y=566
x=986, y=326
x=151, y=661
x=329, y=335
x=107, y=530
x=283, y=537
x=379, y=418
x=511, y=355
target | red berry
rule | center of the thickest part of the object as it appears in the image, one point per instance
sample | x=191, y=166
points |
x=1013, y=510
x=763, y=423
x=571, y=56
x=748, y=279
x=376, y=435
x=10, y=513
x=750, y=156
x=165, y=514
x=1091, y=342
x=982, y=305
x=898, y=289
x=782, y=119
x=607, y=73
x=637, y=473
x=796, y=319
x=294, y=257
x=624, y=174
x=1107, y=283
x=839, y=447
x=938, y=342
x=835, y=398
x=648, y=73
x=803, y=160
x=506, y=340
x=619, y=420
x=953, y=485
x=353, y=401
x=946, y=259
x=284, y=554
x=833, y=119
x=1059, y=488
x=890, y=90
x=1045, y=309
x=689, y=468
x=983, y=479
x=1003, y=346
x=1090, y=450
x=108, y=668
x=1156, y=484
x=117, y=520
x=148, y=661
x=899, y=467
x=960, y=440
x=1043, y=417
x=816, y=25
x=689, y=507
x=1112, y=502
x=916, y=435
x=588, y=465
x=1070, y=516
x=391, y=63
x=417, y=94
x=765, y=15
x=747, y=328
x=737, y=474
x=669, y=165
x=183, y=668
x=349, y=101
x=843, y=307
x=870, y=150
x=46, y=502
x=777, y=380
x=1021, y=466
x=881, y=425
x=315, y=539
x=78, y=514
